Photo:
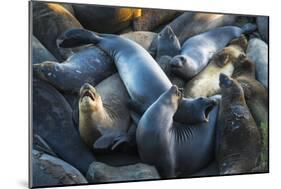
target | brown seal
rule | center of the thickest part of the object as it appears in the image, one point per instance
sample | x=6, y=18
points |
x=256, y=96
x=206, y=83
x=104, y=118
x=239, y=140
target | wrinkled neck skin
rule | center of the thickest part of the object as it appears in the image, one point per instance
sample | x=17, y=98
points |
x=93, y=124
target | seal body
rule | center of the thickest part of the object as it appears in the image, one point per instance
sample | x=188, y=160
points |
x=49, y=21
x=167, y=43
x=198, y=50
x=39, y=52
x=104, y=118
x=175, y=149
x=142, y=76
x=239, y=138
x=52, y=120
x=90, y=65
x=257, y=51
x=206, y=83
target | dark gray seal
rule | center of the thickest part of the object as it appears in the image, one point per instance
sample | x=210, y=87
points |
x=39, y=52
x=198, y=50
x=51, y=171
x=104, y=118
x=239, y=140
x=49, y=21
x=175, y=149
x=90, y=65
x=189, y=24
x=142, y=76
x=52, y=120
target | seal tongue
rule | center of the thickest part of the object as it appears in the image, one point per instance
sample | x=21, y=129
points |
x=87, y=93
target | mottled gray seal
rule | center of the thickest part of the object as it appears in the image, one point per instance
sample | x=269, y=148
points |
x=90, y=65
x=51, y=171
x=189, y=24
x=198, y=50
x=175, y=149
x=239, y=140
x=206, y=83
x=39, y=52
x=142, y=76
x=52, y=120
x=257, y=51
x=104, y=118
x=49, y=21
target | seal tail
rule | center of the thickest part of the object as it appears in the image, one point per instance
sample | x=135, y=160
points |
x=249, y=28
x=77, y=37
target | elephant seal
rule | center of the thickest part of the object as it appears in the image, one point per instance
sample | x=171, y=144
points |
x=206, y=83
x=151, y=19
x=142, y=76
x=39, y=52
x=104, y=118
x=238, y=136
x=143, y=38
x=198, y=50
x=263, y=27
x=90, y=65
x=164, y=63
x=49, y=21
x=104, y=19
x=256, y=97
x=167, y=43
x=175, y=149
x=257, y=51
x=52, y=120
x=51, y=171
x=189, y=24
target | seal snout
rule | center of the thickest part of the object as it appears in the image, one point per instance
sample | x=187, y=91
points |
x=225, y=81
x=88, y=90
x=177, y=62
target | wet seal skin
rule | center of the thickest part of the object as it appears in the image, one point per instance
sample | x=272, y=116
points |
x=175, y=149
x=198, y=50
x=239, y=140
x=104, y=118
x=140, y=73
x=206, y=83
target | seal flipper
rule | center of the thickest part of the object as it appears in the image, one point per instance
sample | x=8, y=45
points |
x=77, y=37
x=111, y=141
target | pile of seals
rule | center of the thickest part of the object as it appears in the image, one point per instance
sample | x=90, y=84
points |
x=188, y=96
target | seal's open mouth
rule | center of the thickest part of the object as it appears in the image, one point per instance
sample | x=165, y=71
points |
x=89, y=94
x=207, y=112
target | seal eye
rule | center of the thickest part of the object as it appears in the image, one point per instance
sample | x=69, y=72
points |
x=171, y=37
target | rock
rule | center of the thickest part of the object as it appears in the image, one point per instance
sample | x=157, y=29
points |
x=51, y=171
x=263, y=26
x=100, y=172
x=49, y=21
x=104, y=19
x=151, y=19
x=39, y=52
x=257, y=51
x=143, y=38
